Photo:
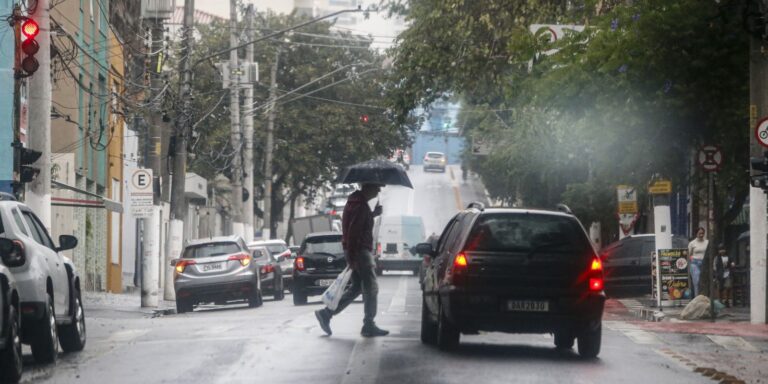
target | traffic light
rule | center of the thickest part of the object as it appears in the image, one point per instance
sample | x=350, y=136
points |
x=760, y=167
x=364, y=119
x=27, y=157
x=29, y=30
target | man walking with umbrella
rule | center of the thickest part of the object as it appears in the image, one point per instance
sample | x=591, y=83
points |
x=357, y=240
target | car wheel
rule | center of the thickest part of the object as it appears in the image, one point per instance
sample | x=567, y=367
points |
x=181, y=305
x=45, y=342
x=428, y=327
x=447, y=334
x=72, y=336
x=589, y=342
x=255, y=300
x=563, y=340
x=10, y=357
x=299, y=297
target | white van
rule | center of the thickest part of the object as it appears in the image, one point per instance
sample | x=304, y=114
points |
x=394, y=237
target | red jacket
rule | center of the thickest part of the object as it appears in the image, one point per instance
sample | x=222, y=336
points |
x=357, y=224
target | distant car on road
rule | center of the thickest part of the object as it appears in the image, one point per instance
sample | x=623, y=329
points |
x=435, y=160
x=47, y=282
x=394, y=237
x=320, y=260
x=217, y=269
x=513, y=270
x=270, y=272
x=627, y=263
x=279, y=249
x=10, y=320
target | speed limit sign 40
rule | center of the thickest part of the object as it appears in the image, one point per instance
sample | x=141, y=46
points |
x=761, y=132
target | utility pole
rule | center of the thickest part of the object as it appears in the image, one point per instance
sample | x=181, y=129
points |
x=183, y=118
x=38, y=195
x=269, y=148
x=248, y=131
x=758, y=109
x=236, y=137
x=150, y=271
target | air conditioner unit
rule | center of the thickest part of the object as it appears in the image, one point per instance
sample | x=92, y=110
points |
x=157, y=9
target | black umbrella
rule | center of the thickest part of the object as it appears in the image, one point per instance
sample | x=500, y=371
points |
x=376, y=171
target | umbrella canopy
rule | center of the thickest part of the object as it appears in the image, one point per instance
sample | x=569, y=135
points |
x=376, y=171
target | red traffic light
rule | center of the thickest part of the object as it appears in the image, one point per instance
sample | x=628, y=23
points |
x=364, y=118
x=30, y=29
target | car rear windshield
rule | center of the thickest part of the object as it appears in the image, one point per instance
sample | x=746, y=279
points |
x=323, y=244
x=525, y=232
x=210, y=250
x=435, y=155
x=276, y=248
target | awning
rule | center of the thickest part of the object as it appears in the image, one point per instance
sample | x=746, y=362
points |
x=99, y=202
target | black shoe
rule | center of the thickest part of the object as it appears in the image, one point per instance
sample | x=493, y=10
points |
x=372, y=331
x=324, y=318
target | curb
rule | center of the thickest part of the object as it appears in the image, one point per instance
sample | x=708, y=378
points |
x=163, y=312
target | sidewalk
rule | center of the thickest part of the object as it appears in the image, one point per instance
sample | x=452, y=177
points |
x=129, y=302
x=732, y=321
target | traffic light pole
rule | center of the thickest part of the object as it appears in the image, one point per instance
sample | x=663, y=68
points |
x=267, y=231
x=236, y=136
x=758, y=73
x=248, y=133
x=38, y=196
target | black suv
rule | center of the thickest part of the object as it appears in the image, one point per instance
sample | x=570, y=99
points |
x=517, y=271
x=320, y=259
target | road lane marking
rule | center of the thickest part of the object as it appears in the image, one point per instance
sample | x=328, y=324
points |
x=640, y=337
x=733, y=343
x=126, y=335
x=457, y=195
x=411, y=197
x=363, y=365
x=450, y=170
x=398, y=300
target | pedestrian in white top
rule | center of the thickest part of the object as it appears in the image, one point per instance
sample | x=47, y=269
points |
x=697, y=248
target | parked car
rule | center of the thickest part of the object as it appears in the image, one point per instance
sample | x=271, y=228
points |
x=394, y=237
x=435, y=160
x=279, y=249
x=47, y=282
x=343, y=190
x=320, y=260
x=10, y=320
x=627, y=263
x=217, y=269
x=513, y=270
x=270, y=271
x=335, y=204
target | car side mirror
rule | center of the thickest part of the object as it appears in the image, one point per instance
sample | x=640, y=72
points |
x=66, y=242
x=174, y=262
x=12, y=253
x=424, y=248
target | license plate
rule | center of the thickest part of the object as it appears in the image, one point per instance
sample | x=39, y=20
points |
x=527, y=306
x=325, y=282
x=211, y=267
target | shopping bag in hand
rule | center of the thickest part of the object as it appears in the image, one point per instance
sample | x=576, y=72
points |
x=332, y=295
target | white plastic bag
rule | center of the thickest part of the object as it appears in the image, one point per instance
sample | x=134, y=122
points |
x=332, y=295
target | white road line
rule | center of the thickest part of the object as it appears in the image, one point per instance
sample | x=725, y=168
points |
x=733, y=343
x=126, y=335
x=398, y=300
x=641, y=337
x=363, y=365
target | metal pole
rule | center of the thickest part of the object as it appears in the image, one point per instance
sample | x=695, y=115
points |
x=269, y=148
x=17, y=105
x=712, y=246
x=183, y=124
x=39, y=130
x=758, y=84
x=236, y=137
x=248, y=133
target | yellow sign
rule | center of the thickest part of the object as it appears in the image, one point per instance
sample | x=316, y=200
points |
x=627, y=207
x=660, y=187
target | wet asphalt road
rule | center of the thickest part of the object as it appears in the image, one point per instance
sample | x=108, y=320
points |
x=282, y=343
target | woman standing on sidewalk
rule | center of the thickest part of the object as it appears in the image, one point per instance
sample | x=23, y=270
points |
x=697, y=248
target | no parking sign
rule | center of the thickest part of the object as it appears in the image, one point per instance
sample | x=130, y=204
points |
x=761, y=132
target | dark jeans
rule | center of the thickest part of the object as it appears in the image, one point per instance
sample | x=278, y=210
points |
x=363, y=281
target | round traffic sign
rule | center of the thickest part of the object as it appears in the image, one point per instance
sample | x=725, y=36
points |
x=761, y=132
x=142, y=179
x=710, y=158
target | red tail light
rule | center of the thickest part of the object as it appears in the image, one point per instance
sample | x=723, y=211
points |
x=267, y=269
x=299, y=263
x=378, y=248
x=181, y=265
x=243, y=258
x=460, y=261
x=596, y=275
